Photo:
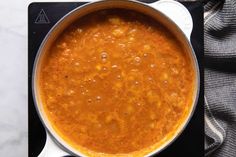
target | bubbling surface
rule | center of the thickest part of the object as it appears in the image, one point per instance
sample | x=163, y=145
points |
x=116, y=82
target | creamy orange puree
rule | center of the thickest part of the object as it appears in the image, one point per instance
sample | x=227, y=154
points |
x=116, y=82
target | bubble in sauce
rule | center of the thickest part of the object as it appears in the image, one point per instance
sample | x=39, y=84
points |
x=89, y=100
x=137, y=59
x=77, y=64
x=119, y=76
x=152, y=65
x=104, y=68
x=70, y=92
x=104, y=56
x=98, y=98
x=149, y=79
x=114, y=66
x=79, y=30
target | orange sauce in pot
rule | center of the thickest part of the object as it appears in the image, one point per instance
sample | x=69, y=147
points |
x=116, y=82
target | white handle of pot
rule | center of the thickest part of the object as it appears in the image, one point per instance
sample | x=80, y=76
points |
x=177, y=12
x=51, y=149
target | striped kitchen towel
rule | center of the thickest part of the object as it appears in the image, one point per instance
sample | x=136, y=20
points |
x=220, y=78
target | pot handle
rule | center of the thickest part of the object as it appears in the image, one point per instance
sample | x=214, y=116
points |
x=51, y=149
x=177, y=12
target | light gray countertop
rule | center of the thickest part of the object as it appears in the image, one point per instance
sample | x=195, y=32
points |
x=13, y=81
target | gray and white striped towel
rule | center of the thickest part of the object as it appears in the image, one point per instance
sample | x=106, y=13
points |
x=220, y=78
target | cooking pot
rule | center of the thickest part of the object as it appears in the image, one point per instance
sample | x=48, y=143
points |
x=171, y=14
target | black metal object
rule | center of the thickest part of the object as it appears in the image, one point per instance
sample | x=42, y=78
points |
x=41, y=18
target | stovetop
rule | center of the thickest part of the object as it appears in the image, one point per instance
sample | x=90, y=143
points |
x=41, y=18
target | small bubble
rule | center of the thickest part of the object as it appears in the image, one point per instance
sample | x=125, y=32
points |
x=145, y=54
x=114, y=66
x=89, y=100
x=119, y=76
x=173, y=94
x=64, y=44
x=77, y=64
x=96, y=35
x=152, y=65
x=147, y=47
x=104, y=56
x=104, y=69
x=98, y=98
x=137, y=59
x=149, y=79
x=70, y=92
x=94, y=81
x=67, y=50
x=134, y=70
x=79, y=30
x=122, y=45
x=131, y=38
x=136, y=82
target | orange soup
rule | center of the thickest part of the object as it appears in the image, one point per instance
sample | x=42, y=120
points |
x=116, y=82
